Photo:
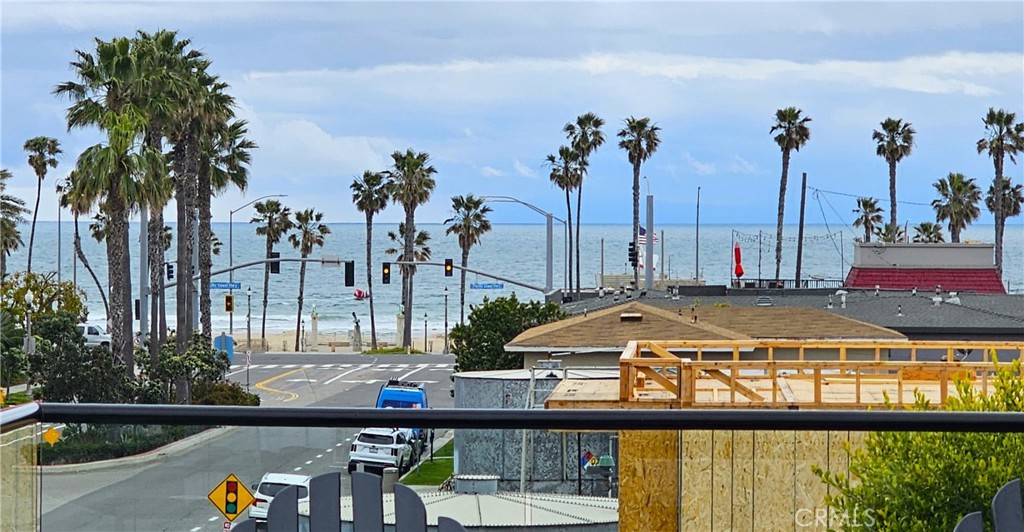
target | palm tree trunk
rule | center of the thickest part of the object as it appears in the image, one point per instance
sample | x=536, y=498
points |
x=410, y=236
x=579, y=218
x=568, y=252
x=266, y=286
x=892, y=193
x=462, y=286
x=205, y=248
x=35, y=214
x=184, y=191
x=782, y=212
x=118, y=279
x=369, y=278
x=3, y=264
x=636, y=220
x=156, y=273
x=999, y=217
x=85, y=262
x=298, y=319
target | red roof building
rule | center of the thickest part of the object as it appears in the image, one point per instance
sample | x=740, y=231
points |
x=954, y=267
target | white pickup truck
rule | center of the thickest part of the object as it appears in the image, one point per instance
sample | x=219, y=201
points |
x=380, y=448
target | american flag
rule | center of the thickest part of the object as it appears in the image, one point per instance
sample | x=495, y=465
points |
x=642, y=238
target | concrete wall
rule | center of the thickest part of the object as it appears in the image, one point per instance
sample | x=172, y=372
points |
x=552, y=458
x=19, y=479
x=879, y=255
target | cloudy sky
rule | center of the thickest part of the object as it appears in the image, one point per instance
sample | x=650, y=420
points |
x=330, y=89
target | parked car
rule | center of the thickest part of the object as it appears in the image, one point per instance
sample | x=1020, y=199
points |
x=268, y=488
x=95, y=335
x=380, y=448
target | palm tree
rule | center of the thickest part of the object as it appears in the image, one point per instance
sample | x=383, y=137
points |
x=928, y=233
x=892, y=234
x=42, y=153
x=117, y=172
x=79, y=206
x=895, y=141
x=310, y=232
x=371, y=195
x=957, y=203
x=469, y=223
x=586, y=137
x=564, y=175
x=1013, y=199
x=793, y=135
x=420, y=250
x=412, y=183
x=1004, y=137
x=12, y=211
x=870, y=216
x=276, y=223
x=640, y=140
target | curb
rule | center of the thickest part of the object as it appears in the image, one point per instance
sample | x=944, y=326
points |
x=170, y=449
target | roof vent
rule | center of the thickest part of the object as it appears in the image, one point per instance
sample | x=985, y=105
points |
x=631, y=316
x=764, y=301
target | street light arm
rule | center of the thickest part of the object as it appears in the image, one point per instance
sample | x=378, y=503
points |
x=231, y=213
x=509, y=199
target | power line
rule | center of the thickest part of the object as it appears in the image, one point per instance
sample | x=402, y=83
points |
x=816, y=190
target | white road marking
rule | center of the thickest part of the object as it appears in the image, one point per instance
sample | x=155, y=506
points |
x=309, y=462
x=401, y=365
x=329, y=450
x=270, y=366
x=196, y=529
x=300, y=380
x=346, y=439
x=442, y=365
x=344, y=365
x=439, y=369
x=321, y=456
x=403, y=377
x=214, y=518
x=340, y=375
x=338, y=444
x=309, y=366
x=289, y=366
x=297, y=469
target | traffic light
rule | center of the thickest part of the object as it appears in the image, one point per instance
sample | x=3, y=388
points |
x=350, y=273
x=447, y=267
x=275, y=267
x=385, y=276
x=170, y=271
x=633, y=254
x=231, y=498
x=229, y=303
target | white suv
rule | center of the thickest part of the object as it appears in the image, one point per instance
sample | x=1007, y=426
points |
x=380, y=448
x=95, y=335
x=269, y=486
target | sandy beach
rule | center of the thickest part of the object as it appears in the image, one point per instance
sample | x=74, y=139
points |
x=331, y=342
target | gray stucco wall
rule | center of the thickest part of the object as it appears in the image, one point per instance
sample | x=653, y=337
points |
x=552, y=458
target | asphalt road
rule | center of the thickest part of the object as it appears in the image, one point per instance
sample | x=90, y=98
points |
x=169, y=492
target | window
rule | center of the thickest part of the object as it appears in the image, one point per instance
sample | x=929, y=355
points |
x=376, y=439
x=270, y=489
x=93, y=331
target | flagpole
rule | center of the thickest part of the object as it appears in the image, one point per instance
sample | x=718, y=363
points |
x=697, y=254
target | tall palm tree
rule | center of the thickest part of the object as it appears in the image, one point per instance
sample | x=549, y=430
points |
x=310, y=232
x=586, y=137
x=371, y=195
x=12, y=212
x=1013, y=199
x=640, y=140
x=276, y=223
x=895, y=141
x=793, y=134
x=420, y=249
x=119, y=171
x=79, y=206
x=564, y=174
x=42, y=154
x=1004, y=137
x=870, y=216
x=413, y=183
x=469, y=224
x=928, y=233
x=957, y=203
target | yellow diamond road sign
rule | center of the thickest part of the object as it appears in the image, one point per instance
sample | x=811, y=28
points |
x=231, y=497
x=51, y=436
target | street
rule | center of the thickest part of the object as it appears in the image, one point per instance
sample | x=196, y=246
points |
x=169, y=492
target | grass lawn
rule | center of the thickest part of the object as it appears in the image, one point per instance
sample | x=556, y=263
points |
x=391, y=351
x=17, y=398
x=433, y=473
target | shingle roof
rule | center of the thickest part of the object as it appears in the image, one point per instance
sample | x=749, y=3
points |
x=981, y=280
x=605, y=329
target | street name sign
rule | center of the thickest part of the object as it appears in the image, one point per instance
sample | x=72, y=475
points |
x=230, y=497
x=221, y=285
x=487, y=286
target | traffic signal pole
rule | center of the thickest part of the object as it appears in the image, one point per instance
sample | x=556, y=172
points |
x=478, y=272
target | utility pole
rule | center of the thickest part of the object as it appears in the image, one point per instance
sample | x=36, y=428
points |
x=800, y=235
x=143, y=273
x=696, y=265
x=649, y=246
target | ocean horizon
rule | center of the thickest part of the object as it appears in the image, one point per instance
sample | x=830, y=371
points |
x=515, y=251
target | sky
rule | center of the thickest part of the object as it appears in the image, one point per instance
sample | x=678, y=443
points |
x=331, y=89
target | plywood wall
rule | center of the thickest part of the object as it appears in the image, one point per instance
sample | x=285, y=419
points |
x=648, y=480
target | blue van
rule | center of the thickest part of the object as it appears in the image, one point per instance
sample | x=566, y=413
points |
x=402, y=394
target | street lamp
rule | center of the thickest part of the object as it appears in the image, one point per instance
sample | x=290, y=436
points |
x=446, y=320
x=30, y=343
x=424, y=332
x=231, y=251
x=248, y=334
x=548, y=280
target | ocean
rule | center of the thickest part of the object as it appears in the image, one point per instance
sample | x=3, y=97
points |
x=515, y=251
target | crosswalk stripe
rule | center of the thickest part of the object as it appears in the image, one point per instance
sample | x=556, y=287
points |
x=289, y=366
x=309, y=366
x=269, y=366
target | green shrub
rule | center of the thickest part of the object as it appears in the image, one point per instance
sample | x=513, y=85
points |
x=925, y=481
x=480, y=343
x=223, y=393
x=107, y=442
